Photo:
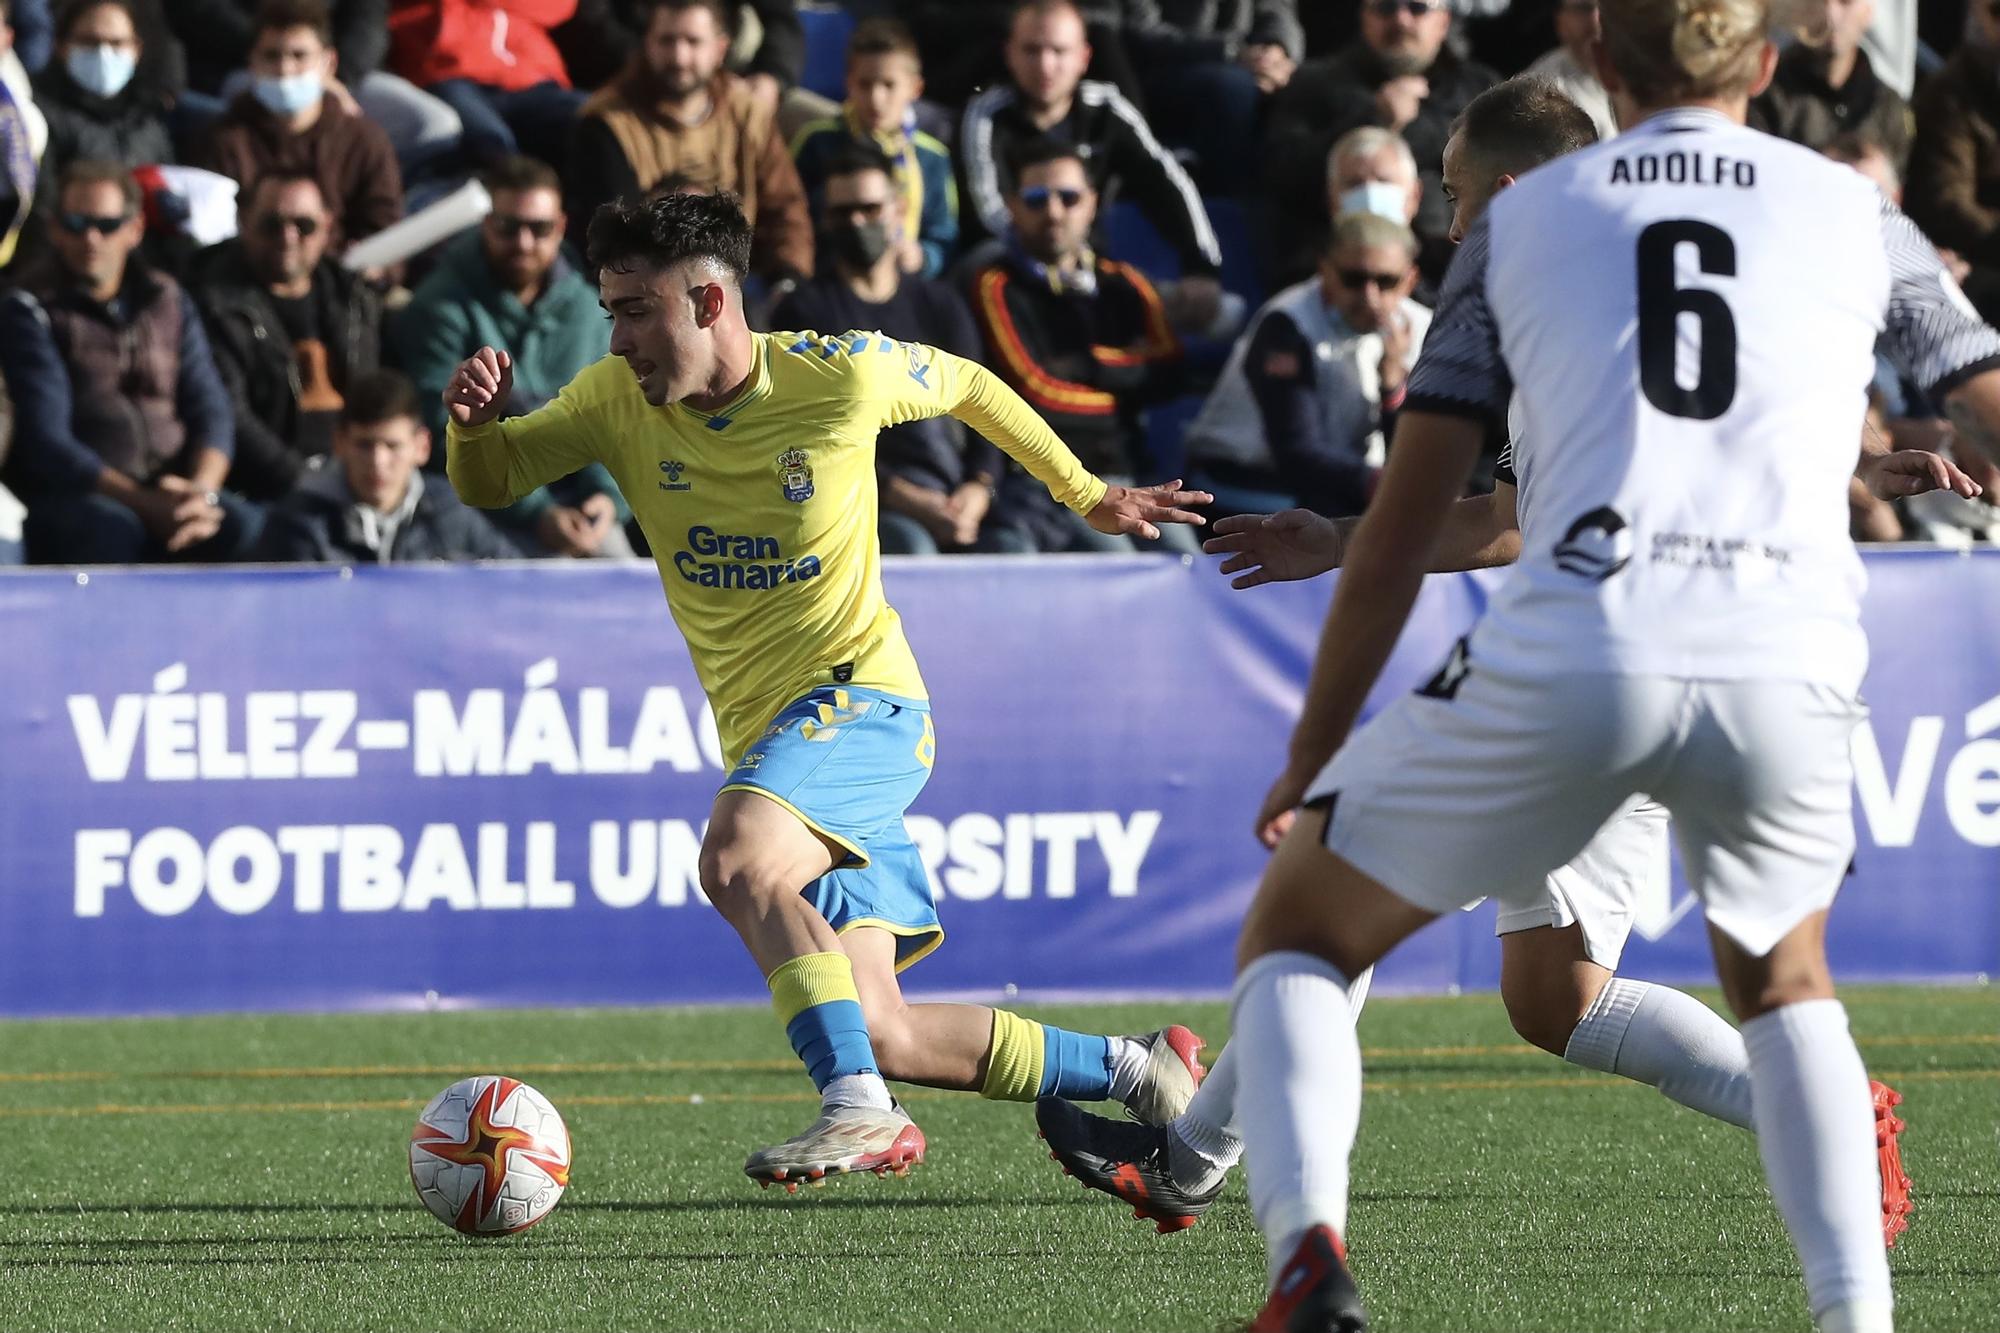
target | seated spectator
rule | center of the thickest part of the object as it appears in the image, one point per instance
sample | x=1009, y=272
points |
x=94, y=108
x=1208, y=72
x=937, y=478
x=422, y=129
x=288, y=120
x=884, y=81
x=675, y=110
x=1371, y=170
x=1952, y=186
x=370, y=503
x=1308, y=397
x=496, y=64
x=507, y=284
x=24, y=135
x=1082, y=338
x=1825, y=85
x=292, y=330
x=1398, y=74
x=1046, y=96
x=1571, y=68
x=123, y=427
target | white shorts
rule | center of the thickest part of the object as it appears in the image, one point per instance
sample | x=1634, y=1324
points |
x=1488, y=786
x=1623, y=871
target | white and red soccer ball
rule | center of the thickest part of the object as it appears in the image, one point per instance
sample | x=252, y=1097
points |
x=489, y=1156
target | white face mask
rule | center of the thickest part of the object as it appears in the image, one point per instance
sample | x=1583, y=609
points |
x=101, y=70
x=1382, y=198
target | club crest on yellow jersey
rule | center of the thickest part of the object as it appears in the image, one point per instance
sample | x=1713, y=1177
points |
x=795, y=476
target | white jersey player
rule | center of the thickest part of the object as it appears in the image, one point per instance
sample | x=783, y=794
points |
x=1683, y=622
x=1561, y=949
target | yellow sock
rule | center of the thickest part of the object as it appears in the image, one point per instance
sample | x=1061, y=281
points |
x=1014, y=1062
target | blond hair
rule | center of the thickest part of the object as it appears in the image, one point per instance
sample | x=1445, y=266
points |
x=1668, y=51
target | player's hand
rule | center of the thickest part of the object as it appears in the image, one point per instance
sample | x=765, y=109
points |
x=1401, y=98
x=1277, y=548
x=1914, y=472
x=1281, y=807
x=480, y=388
x=1132, y=511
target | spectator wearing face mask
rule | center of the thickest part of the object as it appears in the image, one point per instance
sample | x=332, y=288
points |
x=1368, y=170
x=289, y=120
x=93, y=106
x=937, y=478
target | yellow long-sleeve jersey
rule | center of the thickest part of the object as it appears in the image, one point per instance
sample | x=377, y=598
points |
x=762, y=515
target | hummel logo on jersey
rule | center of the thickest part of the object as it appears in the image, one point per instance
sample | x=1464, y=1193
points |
x=673, y=481
x=1596, y=546
x=1444, y=685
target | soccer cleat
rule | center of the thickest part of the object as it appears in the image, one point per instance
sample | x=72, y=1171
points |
x=1173, y=1072
x=1314, y=1292
x=1124, y=1160
x=1896, y=1205
x=844, y=1139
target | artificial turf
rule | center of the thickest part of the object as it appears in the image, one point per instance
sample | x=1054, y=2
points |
x=225, y=1173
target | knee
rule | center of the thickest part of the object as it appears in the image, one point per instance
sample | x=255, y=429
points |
x=1542, y=1017
x=737, y=885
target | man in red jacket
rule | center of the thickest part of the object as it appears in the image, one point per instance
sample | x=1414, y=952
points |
x=495, y=62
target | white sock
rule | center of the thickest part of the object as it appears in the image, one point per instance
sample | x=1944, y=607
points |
x=1128, y=1065
x=1301, y=1095
x=1816, y=1134
x=1207, y=1140
x=1668, y=1040
x=856, y=1090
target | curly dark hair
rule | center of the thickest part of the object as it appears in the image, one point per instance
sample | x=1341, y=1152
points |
x=660, y=232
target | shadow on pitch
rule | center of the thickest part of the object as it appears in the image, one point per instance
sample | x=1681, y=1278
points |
x=814, y=1199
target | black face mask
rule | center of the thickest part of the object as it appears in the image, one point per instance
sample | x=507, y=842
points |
x=859, y=245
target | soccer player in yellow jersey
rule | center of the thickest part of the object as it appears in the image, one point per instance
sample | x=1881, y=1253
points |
x=749, y=460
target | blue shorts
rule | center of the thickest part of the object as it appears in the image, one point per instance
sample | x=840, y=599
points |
x=848, y=762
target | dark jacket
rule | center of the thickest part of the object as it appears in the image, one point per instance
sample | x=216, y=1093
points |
x=1087, y=361
x=350, y=156
x=1952, y=189
x=129, y=129
x=128, y=385
x=1123, y=157
x=258, y=364
x=1326, y=99
x=1800, y=106
x=317, y=524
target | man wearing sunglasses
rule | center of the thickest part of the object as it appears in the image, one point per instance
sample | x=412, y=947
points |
x=123, y=429
x=1084, y=339
x=1310, y=392
x=1398, y=74
x=292, y=330
x=507, y=283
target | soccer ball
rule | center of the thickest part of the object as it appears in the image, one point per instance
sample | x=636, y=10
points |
x=489, y=1156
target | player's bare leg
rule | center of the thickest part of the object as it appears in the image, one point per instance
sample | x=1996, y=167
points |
x=1815, y=1122
x=755, y=860
x=971, y=1048
x=1316, y=922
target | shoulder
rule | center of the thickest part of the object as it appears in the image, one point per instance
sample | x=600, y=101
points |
x=930, y=148
x=817, y=136
x=1128, y=277
x=983, y=107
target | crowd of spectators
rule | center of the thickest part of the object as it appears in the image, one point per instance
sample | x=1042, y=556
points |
x=245, y=243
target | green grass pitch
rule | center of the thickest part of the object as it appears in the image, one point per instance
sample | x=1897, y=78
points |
x=250, y=1173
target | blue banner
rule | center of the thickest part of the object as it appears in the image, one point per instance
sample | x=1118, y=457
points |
x=331, y=789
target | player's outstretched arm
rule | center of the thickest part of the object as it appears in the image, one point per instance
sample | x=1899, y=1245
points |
x=1386, y=564
x=1480, y=532
x=492, y=463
